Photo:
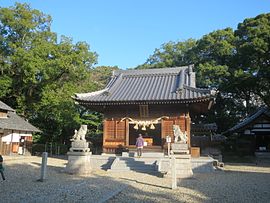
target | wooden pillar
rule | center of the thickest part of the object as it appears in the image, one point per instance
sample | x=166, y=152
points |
x=162, y=129
x=187, y=128
x=104, y=130
x=104, y=134
x=115, y=129
x=11, y=143
x=127, y=132
x=182, y=123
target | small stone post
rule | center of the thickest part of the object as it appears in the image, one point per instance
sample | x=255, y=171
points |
x=174, y=179
x=43, y=166
x=169, y=148
x=168, y=140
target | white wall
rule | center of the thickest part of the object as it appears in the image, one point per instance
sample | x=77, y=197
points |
x=14, y=137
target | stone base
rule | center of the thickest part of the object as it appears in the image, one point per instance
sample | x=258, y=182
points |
x=179, y=148
x=78, y=163
x=79, y=146
x=183, y=166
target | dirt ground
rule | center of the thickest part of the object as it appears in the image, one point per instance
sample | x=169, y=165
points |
x=234, y=183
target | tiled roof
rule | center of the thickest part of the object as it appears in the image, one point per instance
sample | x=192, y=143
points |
x=15, y=122
x=148, y=85
x=5, y=107
x=204, y=127
x=263, y=110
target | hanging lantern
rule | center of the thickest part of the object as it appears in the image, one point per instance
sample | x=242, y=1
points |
x=143, y=128
x=136, y=127
x=152, y=127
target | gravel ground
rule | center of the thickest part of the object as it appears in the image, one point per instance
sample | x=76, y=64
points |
x=235, y=183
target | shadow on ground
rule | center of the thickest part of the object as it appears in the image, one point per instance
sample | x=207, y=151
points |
x=222, y=186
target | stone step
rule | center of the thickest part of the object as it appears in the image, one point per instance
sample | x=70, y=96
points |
x=151, y=149
x=262, y=155
x=182, y=156
x=134, y=165
x=182, y=172
x=183, y=165
x=180, y=152
x=183, y=162
x=138, y=161
x=134, y=168
x=150, y=169
x=131, y=164
x=144, y=154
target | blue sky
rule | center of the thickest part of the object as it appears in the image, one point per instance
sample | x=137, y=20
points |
x=125, y=33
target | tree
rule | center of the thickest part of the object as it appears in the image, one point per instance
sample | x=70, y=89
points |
x=253, y=48
x=171, y=54
x=213, y=56
x=236, y=63
x=101, y=75
x=40, y=74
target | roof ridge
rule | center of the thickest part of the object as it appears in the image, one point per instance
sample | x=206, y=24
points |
x=196, y=88
x=249, y=118
x=149, y=74
x=6, y=107
x=81, y=95
x=151, y=70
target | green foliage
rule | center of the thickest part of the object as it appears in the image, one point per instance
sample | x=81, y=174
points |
x=212, y=75
x=253, y=47
x=171, y=54
x=218, y=46
x=236, y=63
x=213, y=56
x=5, y=85
x=101, y=75
x=38, y=74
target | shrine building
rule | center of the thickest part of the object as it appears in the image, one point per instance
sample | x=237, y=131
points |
x=147, y=102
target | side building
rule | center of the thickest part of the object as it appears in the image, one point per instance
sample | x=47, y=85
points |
x=253, y=132
x=15, y=132
x=147, y=102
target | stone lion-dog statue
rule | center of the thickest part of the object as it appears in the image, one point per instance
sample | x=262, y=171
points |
x=179, y=136
x=80, y=134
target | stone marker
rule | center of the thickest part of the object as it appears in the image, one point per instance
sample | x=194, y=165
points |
x=174, y=179
x=43, y=169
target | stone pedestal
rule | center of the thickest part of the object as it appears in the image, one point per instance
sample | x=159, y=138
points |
x=79, y=158
x=78, y=163
x=79, y=146
x=179, y=148
x=183, y=166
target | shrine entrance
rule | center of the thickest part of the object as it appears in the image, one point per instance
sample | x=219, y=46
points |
x=151, y=136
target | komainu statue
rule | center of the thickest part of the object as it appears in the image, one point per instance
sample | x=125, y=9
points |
x=80, y=134
x=179, y=136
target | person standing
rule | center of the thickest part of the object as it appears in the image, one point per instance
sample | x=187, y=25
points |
x=2, y=167
x=139, y=145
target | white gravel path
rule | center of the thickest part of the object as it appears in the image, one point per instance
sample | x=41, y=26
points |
x=237, y=183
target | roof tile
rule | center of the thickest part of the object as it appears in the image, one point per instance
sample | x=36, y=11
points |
x=148, y=85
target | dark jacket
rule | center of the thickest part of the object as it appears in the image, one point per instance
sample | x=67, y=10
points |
x=1, y=163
